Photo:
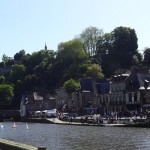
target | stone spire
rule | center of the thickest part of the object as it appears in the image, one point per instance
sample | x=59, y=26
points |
x=45, y=46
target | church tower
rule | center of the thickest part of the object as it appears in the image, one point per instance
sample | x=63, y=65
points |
x=45, y=46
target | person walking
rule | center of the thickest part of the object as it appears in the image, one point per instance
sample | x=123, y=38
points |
x=71, y=120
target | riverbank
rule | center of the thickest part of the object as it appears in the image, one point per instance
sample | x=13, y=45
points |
x=11, y=145
x=60, y=122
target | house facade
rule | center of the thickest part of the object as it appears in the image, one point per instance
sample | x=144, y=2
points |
x=37, y=101
x=138, y=89
x=117, y=93
x=129, y=91
x=126, y=92
x=94, y=92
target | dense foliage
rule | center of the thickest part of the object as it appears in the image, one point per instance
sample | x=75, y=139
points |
x=6, y=95
x=71, y=85
x=118, y=49
x=92, y=54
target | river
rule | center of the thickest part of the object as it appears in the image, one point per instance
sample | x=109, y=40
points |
x=70, y=137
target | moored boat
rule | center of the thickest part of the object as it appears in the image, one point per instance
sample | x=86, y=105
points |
x=14, y=125
x=27, y=127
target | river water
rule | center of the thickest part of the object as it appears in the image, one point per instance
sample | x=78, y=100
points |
x=70, y=137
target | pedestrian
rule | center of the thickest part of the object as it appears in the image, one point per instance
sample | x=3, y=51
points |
x=71, y=119
x=81, y=120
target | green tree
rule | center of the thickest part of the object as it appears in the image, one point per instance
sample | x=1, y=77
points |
x=69, y=57
x=104, y=46
x=6, y=95
x=89, y=37
x=17, y=73
x=117, y=48
x=146, y=60
x=2, y=79
x=71, y=85
x=30, y=82
x=7, y=61
x=94, y=71
x=137, y=59
x=18, y=56
x=71, y=51
x=36, y=58
x=124, y=46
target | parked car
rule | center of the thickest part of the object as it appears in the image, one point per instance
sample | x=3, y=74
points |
x=65, y=115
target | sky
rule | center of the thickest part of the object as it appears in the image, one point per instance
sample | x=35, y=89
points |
x=29, y=24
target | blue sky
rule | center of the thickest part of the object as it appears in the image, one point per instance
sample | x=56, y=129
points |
x=28, y=24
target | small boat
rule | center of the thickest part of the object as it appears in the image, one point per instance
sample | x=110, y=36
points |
x=27, y=127
x=14, y=125
x=2, y=126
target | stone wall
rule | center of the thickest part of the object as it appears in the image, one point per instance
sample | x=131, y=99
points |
x=10, y=145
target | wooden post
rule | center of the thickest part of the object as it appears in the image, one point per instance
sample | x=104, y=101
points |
x=41, y=148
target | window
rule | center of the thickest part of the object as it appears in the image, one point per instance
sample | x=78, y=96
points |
x=106, y=99
x=112, y=98
x=130, y=97
x=135, y=97
x=100, y=99
x=120, y=98
x=115, y=88
x=119, y=88
x=112, y=89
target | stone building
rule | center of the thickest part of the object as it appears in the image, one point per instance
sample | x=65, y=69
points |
x=94, y=91
x=129, y=91
x=117, y=93
x=138, y=89
x=37, y=101
x=69, y=102
x=61, y=98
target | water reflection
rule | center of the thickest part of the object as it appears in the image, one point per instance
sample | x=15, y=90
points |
x=65, y=137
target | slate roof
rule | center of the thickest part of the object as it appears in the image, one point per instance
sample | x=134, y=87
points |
x=143, y=79
x=138, y=81
x=86, y=84
x=42, y=96
x=102, y=85
x=36, y=96
x=119, y=77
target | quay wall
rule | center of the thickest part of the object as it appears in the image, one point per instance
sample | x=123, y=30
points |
x=10, y=145
x=38, y=120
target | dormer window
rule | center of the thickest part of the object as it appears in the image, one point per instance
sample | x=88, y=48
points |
x=146, y=83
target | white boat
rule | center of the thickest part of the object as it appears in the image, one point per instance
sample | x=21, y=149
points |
x=2, y=126
x=14, y=125
x=27, y=127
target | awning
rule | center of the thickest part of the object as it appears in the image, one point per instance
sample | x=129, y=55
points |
x=37, y=112
x=146, y=105
x=52, y=111
x=45, y=111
